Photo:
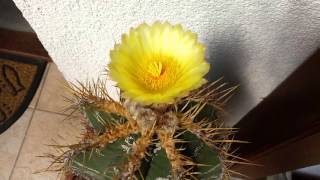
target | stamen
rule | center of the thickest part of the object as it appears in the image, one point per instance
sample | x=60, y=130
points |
x=159, y=74
x=155, y=69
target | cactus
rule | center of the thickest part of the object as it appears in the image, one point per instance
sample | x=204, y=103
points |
x=167, y=124
x=127, y=140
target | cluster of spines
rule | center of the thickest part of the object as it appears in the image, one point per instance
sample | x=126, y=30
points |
x=182, y=166
x=211, y=132
x=138, y=153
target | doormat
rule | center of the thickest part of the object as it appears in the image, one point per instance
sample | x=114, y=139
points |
x=20, y=77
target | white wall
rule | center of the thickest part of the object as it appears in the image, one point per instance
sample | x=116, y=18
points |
x=256, y=43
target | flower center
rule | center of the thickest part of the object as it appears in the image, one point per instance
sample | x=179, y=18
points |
x=159, y=74
x=156, y=69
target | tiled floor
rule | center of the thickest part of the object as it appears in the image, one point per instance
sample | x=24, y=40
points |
x=43, y=123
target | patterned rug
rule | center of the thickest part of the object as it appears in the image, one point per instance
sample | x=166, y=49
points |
x=19, y=79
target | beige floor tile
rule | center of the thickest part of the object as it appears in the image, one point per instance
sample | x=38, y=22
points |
x=52, y=97
x=10, y=143
x=45, y=128
x=37, y=95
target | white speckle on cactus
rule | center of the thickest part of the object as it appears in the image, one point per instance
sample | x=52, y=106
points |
x=129, y=140
x=156, y=150
x=116, y=170
x=127, y=147
x=196, y=151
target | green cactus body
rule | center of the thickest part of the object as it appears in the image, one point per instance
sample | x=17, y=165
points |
x=109, y=160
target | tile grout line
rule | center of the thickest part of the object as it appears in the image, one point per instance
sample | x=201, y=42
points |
x=62, y=114
x=48, y=111
x=44, y=83
x=23, y=139
x=29, y=124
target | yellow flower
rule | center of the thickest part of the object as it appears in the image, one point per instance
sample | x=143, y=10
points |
x=158, y=63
